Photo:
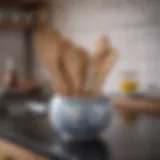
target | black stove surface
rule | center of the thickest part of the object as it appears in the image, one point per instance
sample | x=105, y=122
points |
x=95, y=149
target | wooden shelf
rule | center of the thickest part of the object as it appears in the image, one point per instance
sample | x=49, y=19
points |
x=18, y=25
x=137, y=105
x=20, y=3
x=37, y=8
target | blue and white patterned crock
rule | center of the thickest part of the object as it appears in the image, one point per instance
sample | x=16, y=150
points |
x=79, y=117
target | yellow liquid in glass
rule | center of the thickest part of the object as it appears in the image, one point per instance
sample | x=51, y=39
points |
x=128, y=86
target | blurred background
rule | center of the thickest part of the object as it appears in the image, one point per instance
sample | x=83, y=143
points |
x=133, y=26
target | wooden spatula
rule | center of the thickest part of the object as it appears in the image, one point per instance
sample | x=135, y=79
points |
x=76, y=64
x=101, y=63
x=66, y=45
x=47, y=46
x=84, y=59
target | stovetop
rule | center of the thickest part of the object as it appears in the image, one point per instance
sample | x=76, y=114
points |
x=95, y=149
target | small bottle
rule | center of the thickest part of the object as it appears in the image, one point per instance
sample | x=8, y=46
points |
x=11, y=77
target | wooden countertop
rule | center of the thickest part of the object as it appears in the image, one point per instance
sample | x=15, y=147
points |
x=137, y=104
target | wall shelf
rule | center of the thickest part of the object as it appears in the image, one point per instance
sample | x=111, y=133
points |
x=19, y=25
x=20, y=3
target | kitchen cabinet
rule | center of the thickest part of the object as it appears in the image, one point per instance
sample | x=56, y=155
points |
x=10, y=151
x=12, y=25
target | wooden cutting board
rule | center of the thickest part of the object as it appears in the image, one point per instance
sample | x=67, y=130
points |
x=140, y=105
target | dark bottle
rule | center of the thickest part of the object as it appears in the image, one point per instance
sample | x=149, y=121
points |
x=11, y=76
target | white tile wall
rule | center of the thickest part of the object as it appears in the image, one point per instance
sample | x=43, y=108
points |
x=133, y=25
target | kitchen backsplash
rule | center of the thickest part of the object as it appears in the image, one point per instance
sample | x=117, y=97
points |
x=133, y=25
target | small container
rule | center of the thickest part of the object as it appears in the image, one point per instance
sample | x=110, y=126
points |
x=16, y=17
x=11, y=77
x=79, y=118
x=129, y=82
x=2, y=16
x=27, y=18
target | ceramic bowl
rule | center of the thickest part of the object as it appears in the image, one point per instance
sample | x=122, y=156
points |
x=79, y=118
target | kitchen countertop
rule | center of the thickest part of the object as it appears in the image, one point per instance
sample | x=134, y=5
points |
x=121, y=141
x=35, y=137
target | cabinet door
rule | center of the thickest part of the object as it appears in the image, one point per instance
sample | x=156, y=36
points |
x=10, y=151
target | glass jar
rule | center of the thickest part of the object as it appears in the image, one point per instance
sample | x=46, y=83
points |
x=129, y=82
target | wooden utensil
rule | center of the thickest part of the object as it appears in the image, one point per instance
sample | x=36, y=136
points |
x=102, y=47
x=85, y=62
x=101, y=63
x=47, y=46
x=70, y=65
x=82, y=70
x=66, y=45
x=76, y=64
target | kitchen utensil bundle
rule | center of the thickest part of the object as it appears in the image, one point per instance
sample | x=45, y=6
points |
x=77, y=110
x=74, y=72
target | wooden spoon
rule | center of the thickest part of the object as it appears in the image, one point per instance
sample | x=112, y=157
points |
x=76, y=63
x=47, y=46
x=101, y=63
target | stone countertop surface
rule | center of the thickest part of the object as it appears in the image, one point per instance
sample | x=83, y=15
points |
x=140, y=140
